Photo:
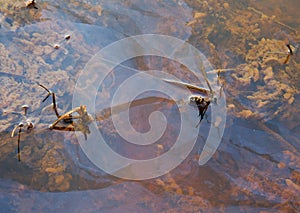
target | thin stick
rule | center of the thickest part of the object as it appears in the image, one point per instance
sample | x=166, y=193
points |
x=19, y=138
x=13, y=132
x=46, y=97
x=275, y=21
x=287, y=59
x=54, y=105
x=208, y=84
x=65, y=116
x=201, y=90
x=44, y=88
x=63, y=128
x=53, y=99
x=218, y=71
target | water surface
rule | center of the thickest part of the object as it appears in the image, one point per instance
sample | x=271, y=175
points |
x=256, y=168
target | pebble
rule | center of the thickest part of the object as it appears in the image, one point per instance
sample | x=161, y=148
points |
x=51, y=170
x=198, y=15
x=226, y=5
x=281, y=165
x=59, y=179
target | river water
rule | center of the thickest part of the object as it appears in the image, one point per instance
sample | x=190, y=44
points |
x=249, y=53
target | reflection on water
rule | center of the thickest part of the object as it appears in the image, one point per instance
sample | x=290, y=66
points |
x=257, y=166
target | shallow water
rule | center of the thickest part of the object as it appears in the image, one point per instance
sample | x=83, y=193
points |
x=255, y=168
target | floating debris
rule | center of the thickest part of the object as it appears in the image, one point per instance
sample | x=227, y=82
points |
x=25, y=123
x=56, y=46
x=67, y=37
x=291, y=50
x=84, y=119
x=30, y=3
x=202, y=104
